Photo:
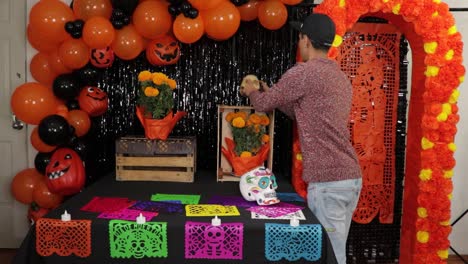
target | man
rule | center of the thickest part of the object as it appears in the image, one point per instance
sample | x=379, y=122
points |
x=317, y=94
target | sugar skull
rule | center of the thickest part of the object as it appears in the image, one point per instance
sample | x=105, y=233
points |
x=259, y=185
x=65, y=172
x=163, y=51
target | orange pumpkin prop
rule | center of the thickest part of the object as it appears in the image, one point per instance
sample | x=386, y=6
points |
x=163, y=51
x=93, y=101
x=102, y=58
x=65, y=172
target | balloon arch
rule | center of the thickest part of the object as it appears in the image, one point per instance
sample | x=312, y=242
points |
x=94, y=31
x=74, y=42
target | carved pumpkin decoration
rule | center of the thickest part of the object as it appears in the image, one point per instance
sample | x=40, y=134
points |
x=102, y=58
x=93, y=101
x=163, y=51
x=65, y=172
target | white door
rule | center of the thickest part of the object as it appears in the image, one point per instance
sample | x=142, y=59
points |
x=13, y=143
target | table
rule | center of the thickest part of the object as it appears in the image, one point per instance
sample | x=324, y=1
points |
x=205, y=184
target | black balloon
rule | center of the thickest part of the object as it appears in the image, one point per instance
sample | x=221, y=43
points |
x=176, y=2
x=80, y=147
x=191, y=13
x=185, y=6
x=127, y=6
x=69, y=27
x=79, y=24
x=88, y=75
x=66, y=86
x=73, y=105
x=126, y=20
x=117, y=13
x=118, y=24
x=174, y=10
x=54, y=130
x=41, y=161
x=76, y=35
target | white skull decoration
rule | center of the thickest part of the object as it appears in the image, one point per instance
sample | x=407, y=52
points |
x=259, y=185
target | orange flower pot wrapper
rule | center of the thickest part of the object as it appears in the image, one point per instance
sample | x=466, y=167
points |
x=241, y=165
x=159, y=128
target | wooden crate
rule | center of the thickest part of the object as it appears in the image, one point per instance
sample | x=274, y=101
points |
x=224, y=169
x=142, y=159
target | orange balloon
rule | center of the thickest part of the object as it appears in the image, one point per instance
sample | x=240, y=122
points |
x=188, y=30
x=221, y=22
x=39, y=42
x=74, y=53
x=85, y=9
x=291, y=2
x=48, y=18
x=38, y=144
x=62, y=110
x=41, y=70
x=43, y=197
x=56, y=63
x=205, y=4
x=249, y=11
x=23, y=185
x=98, y=32
x=272, y=14
x=127, y=44
x=80, y=120
x=151, y=19
x=32, y=101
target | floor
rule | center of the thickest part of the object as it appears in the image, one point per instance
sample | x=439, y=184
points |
x=6, y=256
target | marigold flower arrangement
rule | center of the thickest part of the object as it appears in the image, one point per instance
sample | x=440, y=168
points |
x=248, y=148
x=248, y=131
x=155, y=95
x=155, y=103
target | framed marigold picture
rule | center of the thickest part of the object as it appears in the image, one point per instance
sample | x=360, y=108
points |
x=245, y=141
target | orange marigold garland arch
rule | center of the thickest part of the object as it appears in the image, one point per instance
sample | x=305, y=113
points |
x=437, y=55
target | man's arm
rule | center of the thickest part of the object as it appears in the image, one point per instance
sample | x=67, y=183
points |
x=282, y=94
x=288, y=110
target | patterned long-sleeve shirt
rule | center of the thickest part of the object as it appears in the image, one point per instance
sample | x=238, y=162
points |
x=318, y=95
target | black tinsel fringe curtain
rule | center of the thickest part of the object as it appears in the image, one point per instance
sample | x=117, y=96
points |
x=208, y=73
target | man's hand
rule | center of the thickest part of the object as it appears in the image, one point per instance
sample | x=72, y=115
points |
x=264, y=86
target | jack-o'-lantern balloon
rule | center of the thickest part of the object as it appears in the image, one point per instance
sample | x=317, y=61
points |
x=102, y=58
x=65, y=172
x=93, y=101
x=163, y=51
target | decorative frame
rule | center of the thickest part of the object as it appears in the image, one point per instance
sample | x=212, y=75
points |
x=224, y=171
x=437, y=52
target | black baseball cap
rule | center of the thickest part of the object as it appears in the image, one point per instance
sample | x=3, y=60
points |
x=318, y=27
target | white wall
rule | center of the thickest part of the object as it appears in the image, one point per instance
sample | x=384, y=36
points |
x=459, y=236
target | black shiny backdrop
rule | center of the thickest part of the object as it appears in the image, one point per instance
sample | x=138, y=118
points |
x=208, y=73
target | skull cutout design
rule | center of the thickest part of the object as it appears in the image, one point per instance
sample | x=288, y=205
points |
x=214, y=238
x=102, y=58
x=163, y=51
x=137, y=243
x=259, y=185
x=65, y=172
x=93, y=101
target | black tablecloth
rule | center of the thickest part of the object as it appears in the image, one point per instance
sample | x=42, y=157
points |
x=205, y=185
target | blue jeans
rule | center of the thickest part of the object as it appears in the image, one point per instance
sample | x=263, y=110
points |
x=333, y=204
